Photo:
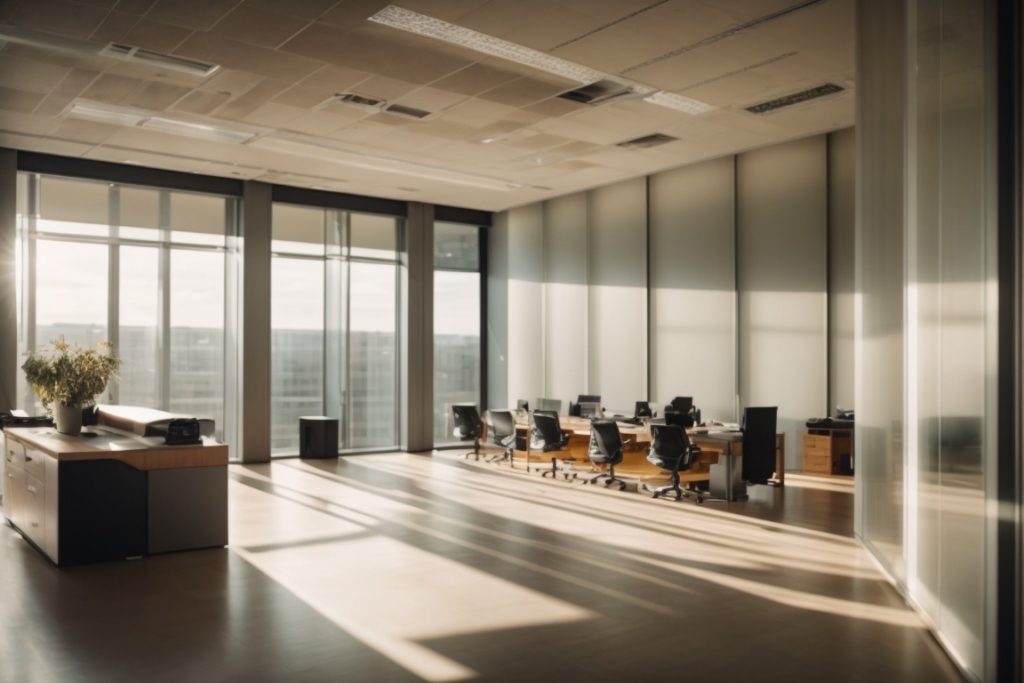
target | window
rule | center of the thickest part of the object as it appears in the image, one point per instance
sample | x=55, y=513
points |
x=457, y=339
x=334, y=318
x=144, y=268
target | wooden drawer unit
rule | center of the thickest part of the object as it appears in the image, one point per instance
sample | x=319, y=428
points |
x=828, y=452
x=34, y=463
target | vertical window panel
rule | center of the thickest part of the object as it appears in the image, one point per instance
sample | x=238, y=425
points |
x=297, y=348
x=372, y=377
x=457, y=337
x=139, y=318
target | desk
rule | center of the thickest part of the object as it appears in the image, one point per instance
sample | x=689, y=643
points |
x=113, y=494
x=717, y=463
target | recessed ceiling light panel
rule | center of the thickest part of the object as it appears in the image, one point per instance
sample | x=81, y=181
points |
x=795, y=98
x=106, y=113
x=193, y=128
x=421, y=24
x=152, y=58
x=679, y=102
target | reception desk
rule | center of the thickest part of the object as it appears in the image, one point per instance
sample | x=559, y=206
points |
x=110, y=494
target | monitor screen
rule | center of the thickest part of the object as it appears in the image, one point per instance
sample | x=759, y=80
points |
x=588, y=398
x=522, y=404
x=590, y=409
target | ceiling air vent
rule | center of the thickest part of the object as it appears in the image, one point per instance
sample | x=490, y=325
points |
x=647, y=141
x=795, y=98
x=354, y=100
x=598, y=92
x=141, y=55
x=410, y=112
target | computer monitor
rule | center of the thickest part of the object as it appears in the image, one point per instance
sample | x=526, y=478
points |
x=589, y=409
x=643, y=409
x=549, y=404
x=588, y=398
x=523, y=404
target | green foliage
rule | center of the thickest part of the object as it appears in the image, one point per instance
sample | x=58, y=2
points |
x=69, y=374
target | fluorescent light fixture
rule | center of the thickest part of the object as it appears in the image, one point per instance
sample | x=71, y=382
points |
x=353, y=159
x=106, y=113
x=679, y=102
x=421, y=24
x=203, y=130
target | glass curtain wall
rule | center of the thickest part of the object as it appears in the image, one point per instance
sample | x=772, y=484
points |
x=334, y=318
x=456, y=322
x=144, y=268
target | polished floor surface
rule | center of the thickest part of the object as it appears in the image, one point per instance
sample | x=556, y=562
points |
x=417, y=568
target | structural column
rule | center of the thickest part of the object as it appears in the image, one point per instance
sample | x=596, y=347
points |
x=255, y=362
x=417, y=348
x=8, y=280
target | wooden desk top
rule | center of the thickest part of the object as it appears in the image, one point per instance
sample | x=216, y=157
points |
x=142, y=453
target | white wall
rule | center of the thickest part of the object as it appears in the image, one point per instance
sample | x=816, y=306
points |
x=630, y=290
x=618, y=294
x=782, y=223
x=693, y=286
x=565, y=297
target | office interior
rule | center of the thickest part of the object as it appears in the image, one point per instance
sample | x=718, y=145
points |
x=382, y=215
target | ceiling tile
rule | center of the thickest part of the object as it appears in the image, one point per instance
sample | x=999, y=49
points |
x=19, y=100
x=231, y=82
x=242, y=56
x=157, y=96
x=60, y=16
x=258, y=26
x=526, y=91
x=201, y=102
x=303, y=9
x=475, y=79
x=384, y=88
x=252, y=99
x=195, y=14
x=30, y=75
x=156, y=36
x=555, y=106
x=319, y=122
x=69, y=88
x=273, y=115
x=111, y=89
x=376, y=51
x=115, y=27
x=352, y=13
x=135, y=6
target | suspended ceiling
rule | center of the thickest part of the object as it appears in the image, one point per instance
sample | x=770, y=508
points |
x=497, y=135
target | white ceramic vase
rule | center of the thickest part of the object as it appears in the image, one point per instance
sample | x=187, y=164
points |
x=67, y=419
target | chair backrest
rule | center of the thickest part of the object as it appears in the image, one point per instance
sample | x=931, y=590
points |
x=681, y=420
x=588, y=398
x=547, y=428
x=759, y=425
x=643, y=409
x=605, y=442
x=502, y=423
x=670, y=448
x=589, y=409
x=682, y=404
x=467, y=421
x=548, y=404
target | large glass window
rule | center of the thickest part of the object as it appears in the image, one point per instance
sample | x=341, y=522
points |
x=456, y=322
x=144, y=268
x=334, y=299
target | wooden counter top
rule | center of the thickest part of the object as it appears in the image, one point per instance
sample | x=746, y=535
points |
x=106, y=443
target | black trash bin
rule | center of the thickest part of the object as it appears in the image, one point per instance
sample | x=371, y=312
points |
x=318, y=436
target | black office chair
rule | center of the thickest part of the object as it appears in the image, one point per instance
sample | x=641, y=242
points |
x=547, y=436
x=682, y=404
x=501, y=432
x=606, y=448
x=674, y=417
x=643, y=409
x=671, y=450
x=467, y=426
x=759, y=426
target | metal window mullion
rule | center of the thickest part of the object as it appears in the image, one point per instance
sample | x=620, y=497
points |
x=29, y=275
x=113, y=280
x=347, y=317
x=163, y=364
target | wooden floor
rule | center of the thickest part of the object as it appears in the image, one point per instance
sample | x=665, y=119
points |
x=406, y=568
